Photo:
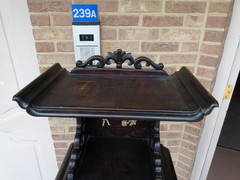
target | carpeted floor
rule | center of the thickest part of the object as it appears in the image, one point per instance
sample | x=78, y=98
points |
x=225, y=165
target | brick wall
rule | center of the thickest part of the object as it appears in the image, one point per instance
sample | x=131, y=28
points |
x=175, y=32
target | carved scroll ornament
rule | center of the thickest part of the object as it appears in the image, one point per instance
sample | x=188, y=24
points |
x=119, y=57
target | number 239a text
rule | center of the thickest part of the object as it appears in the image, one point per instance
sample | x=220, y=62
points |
x=84, y=13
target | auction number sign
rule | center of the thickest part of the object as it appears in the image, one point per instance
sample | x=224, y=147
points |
x=84, y=12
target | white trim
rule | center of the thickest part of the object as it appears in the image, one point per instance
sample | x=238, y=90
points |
x=227, y=74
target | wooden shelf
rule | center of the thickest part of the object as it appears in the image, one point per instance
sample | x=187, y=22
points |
x=118, y=113
x=115, y=158
x=111, y=93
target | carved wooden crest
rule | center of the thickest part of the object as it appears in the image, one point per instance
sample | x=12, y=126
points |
x=119, y=57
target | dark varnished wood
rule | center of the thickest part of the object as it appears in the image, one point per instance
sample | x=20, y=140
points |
x=97, y=127
x=115, y=158
x=132, y=94
x=116, y=152
x=107, y=145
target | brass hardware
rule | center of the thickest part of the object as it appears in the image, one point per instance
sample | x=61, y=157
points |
x=129, y=122
x=105, y=121
x=228, y=92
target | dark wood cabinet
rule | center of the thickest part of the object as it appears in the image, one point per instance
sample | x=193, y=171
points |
x=118, y=111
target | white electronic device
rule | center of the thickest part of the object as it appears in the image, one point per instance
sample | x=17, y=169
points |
x=86, y=36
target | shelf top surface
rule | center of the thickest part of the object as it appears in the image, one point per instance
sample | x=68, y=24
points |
x=112, y=93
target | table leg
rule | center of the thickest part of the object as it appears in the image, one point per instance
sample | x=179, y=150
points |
x=163, y=166
x=70, y=162
x=156, y=145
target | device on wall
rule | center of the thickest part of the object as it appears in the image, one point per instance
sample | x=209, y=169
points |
x=86, y=31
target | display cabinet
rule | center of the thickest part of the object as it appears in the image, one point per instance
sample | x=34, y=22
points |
x=118, y=111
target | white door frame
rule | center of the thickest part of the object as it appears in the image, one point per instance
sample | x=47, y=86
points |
x=15, y=19
x=227, y=75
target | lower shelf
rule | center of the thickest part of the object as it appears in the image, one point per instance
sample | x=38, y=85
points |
x=115, y=159
x=106, y=158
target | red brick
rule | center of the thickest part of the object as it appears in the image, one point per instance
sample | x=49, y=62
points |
x=50, y=34
x=63, y=137
x=209, y=73
x=103, y=5
x=127, y=46
x=178, y=59
x=171, y=135
x=194, y=21
x=211, y=49
x=189, y=47
x=184, y=166
x=214, y=36
x=185, y=7
x=178, y=176
x=173, y=142
x=159, y=47
x=173, y=150
x=44, y=46
x=121, y=20
x=60, y=152
x=192, y=130
x=187, y=153
x=176, y=127
x=198, y=124
x=49, y=6
x=60, y=158
x=72, y=129
x=180, y=34
x=57, y=129
x=189, y=146
x=209, y=61
x=40, y=20
x=190, y=138
x=220, y=7
x=138, y=34
x=107, y=6
x=108, y=34
x=140, y=6
x=62, y=20
x=163, y=127
x=60, y=145
x=162, y=21
x=217, y=22
x=185, y=160
x=62, y=121
x=56, y=58
x=180, y=172
x=65, y=47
